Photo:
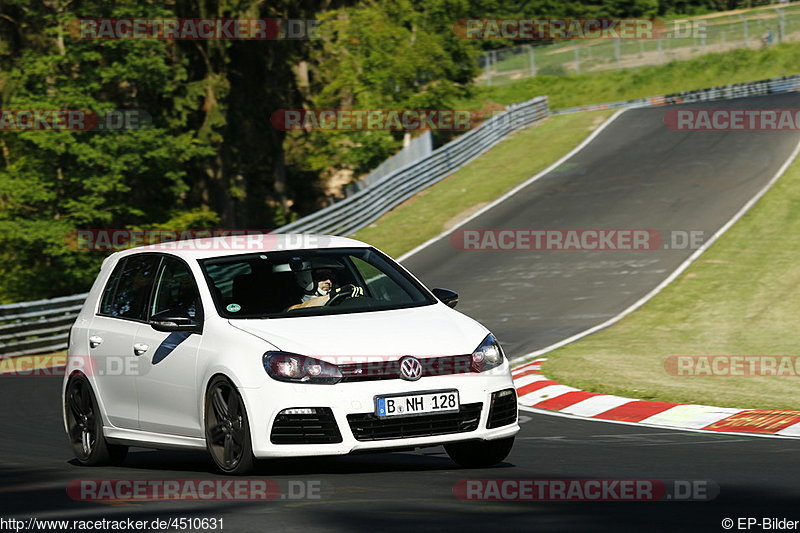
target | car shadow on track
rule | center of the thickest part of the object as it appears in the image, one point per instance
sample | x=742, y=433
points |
x=432, y=459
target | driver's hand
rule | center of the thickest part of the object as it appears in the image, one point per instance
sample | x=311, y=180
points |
x=354, y=290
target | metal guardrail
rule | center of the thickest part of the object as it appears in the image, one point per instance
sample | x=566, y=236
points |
x=40, y=326
x=366, y=206
x=784, y=84
x=43, y=326
x=418, y=148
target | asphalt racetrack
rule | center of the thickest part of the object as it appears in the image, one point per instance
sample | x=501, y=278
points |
x=637, y=174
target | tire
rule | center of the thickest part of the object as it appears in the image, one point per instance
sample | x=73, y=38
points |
x=85, y=427
x=480, y=454
x=227, y=428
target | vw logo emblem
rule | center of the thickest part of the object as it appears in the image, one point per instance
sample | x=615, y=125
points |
x=410, y=368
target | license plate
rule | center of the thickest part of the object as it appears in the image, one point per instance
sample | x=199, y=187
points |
x=416, y=404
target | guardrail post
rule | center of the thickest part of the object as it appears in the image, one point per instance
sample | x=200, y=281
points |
x=492, y=59
x=781, y=24
x=745, y=30
x=532, y=60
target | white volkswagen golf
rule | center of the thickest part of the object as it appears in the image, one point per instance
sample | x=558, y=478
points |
x=300, y=346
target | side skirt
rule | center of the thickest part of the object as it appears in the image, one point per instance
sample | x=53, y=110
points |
x=145, y=439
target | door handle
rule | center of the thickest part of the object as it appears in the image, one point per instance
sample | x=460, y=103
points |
x=95, y=341
x=140, y=349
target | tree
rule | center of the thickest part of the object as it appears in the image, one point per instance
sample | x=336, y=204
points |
x=208, y=158
x=52, y=182
x=394, y=54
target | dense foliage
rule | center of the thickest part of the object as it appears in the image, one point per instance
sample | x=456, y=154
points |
x=209, y=157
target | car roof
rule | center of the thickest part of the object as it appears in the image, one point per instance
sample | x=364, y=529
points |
x=243, y=242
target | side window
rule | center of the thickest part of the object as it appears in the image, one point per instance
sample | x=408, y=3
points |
x=222, y=277
x=176, y=289
x=106, y=304
x=129, y=288
x=378, y=284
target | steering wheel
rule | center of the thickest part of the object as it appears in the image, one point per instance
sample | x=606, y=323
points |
x=343, y=293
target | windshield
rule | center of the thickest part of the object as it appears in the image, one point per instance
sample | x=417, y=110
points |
x=310, y=283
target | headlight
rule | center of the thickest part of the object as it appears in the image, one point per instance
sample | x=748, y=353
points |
x=294, y=368
x=488, y=355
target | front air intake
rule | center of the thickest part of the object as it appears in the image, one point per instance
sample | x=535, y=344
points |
x=367, y=426
x=503, y=409
x=305, y=425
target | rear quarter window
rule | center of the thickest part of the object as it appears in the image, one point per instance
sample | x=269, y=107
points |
x=128, y=289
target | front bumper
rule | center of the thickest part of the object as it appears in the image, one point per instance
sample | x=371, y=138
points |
x=264, y=404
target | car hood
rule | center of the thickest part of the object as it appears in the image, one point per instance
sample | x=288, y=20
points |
x=432, y=330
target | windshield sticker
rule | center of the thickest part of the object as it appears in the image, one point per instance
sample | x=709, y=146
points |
x=234, y=308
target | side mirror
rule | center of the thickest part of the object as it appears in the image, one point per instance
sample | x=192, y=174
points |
x=448, y=297
x=169, y=321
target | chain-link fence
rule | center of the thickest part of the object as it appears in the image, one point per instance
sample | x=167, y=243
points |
x=758, y=28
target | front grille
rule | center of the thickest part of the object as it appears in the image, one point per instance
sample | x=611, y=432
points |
x=431, y=366
x=367, y=426
x=503, y=410
x=318, y=427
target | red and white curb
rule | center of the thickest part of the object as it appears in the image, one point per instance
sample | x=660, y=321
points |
x=536, y=392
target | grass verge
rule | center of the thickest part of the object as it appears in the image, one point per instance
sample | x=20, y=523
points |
x=738, y=298
x=506, y=165
x=735, y=300
x=710, y=70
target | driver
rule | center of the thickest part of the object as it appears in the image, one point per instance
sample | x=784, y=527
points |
x=325, y=289
x=324, y=279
